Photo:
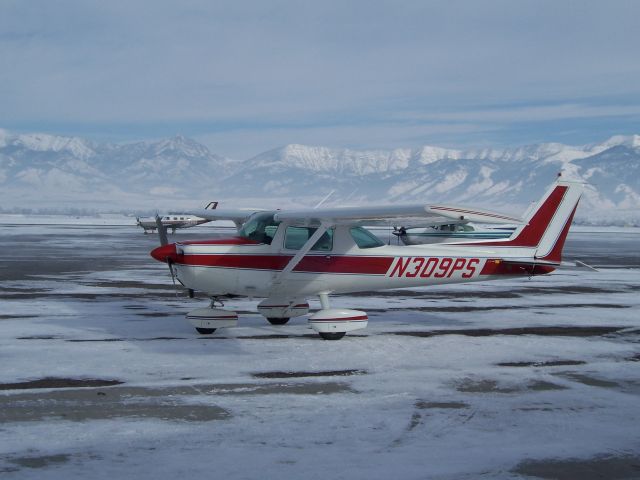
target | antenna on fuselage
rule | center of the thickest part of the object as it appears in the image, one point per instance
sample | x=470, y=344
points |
x=324, y=199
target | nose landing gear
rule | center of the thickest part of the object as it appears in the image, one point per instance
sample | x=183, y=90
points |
x=208, y=320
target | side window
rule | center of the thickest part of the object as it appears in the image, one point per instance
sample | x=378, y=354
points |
x=364, y=238
x=296, y=237
x=270, y=232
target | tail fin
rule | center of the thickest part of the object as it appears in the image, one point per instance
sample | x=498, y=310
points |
x=547, y=225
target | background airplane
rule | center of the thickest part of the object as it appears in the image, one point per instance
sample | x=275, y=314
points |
x=174, y=221
x=460, y=230
x=451, y=232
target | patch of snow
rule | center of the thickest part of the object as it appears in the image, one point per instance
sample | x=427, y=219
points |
x=43, y=142
x=453, y=180
x=428, y=154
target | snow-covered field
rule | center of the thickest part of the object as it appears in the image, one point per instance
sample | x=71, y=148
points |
x=515, y=379
x=105, y=219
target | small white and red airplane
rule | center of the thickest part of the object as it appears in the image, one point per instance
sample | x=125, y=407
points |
x=174, y=221
x=287, y=256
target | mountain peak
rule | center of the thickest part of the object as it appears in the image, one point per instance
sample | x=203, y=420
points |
x=631, y=141
x=182, y=145
x=430, y=154
x=42, y=142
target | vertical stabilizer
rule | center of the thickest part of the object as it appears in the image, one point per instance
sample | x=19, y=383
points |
x=547, y=225
x=552, y=242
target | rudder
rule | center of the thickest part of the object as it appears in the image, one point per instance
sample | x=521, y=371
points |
x=547, y=226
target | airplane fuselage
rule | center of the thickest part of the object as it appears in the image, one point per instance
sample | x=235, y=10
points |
x=240, y=267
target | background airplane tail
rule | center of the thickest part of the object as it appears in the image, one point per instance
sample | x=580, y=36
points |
x=547, y=225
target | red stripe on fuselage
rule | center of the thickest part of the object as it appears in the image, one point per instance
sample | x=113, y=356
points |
x=314, y=263
x=222, y=241
x=359, y=318
x=500, y=267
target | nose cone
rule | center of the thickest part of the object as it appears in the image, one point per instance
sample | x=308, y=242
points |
x=165, y=252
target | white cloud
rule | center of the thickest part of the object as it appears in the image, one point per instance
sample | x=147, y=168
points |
x=255, y=66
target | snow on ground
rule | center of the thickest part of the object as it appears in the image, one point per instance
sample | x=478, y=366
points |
x=440, y=385
x=99, y=219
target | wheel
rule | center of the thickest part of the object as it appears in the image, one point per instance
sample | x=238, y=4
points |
x=332, y=335
x=277, y=321
x=205, y=331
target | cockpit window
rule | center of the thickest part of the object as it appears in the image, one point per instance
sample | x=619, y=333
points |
x=364, y=238
x=261, y=228
x=296, y=237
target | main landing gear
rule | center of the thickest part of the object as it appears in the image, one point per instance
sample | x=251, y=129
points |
x=277, y=321
x=330, y=323
x=334, y=323
x=279, y=311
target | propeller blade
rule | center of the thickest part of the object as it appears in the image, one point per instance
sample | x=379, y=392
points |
x=162, y=231
x=162, y=254
x=173, y=276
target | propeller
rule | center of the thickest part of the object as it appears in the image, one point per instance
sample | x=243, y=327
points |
x=399, y=231
x=162, y=233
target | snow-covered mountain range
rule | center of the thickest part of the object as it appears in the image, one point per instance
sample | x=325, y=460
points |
x=45, y=172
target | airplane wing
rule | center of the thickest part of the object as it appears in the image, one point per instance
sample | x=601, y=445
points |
x=237, y=215
x=407, y=215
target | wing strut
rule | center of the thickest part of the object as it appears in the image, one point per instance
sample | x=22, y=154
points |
x=300, y=255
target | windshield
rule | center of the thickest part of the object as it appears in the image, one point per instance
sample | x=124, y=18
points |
x=261, y=227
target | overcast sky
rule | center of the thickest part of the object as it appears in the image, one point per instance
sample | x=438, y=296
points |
x=248, y=76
